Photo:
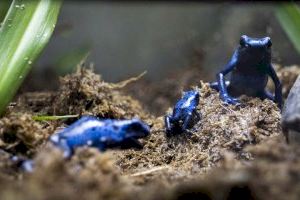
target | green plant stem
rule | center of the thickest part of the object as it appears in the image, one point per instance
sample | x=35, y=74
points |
x=55, y=117
x=25, y=31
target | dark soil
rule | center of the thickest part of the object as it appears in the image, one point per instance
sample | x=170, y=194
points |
x=234, y=152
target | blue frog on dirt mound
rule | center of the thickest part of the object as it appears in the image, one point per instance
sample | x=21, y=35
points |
x=250, y=67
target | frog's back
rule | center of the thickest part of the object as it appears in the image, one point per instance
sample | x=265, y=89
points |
x=82, y=125
x=85, y=131
x=187, y=104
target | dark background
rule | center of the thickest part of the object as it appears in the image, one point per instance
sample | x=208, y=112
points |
x=124, y=39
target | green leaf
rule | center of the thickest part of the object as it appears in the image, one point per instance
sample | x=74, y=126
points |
x=24, y=33
x=288, y=15
x=4, y=5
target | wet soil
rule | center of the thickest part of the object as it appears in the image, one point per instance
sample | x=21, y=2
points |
x=233, y=152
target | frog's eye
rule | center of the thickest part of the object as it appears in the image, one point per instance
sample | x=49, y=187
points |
x=243, y=42
x=269, y=43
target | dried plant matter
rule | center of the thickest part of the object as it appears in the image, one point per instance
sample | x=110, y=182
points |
x=222, y=128
x=234, y=149
x=84, y=92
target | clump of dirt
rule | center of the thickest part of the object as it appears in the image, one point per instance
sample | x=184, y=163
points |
x=276, y=167
x=88, y=175
x=274, y=173
x=8, y=168
x=222, y=128
x=85, y=93
x=287, y=75
x=20, y=134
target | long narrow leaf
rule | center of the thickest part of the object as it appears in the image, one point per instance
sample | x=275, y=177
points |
x=26, y=30
x=288, y=15
x=4, y=5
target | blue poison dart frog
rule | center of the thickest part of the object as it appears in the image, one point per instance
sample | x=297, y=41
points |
x=90, y=131
x=184, y=115
x=250, y=67
x=102, y=134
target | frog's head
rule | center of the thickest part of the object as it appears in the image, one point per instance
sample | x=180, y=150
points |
x=255, y=48
x=194, y=94
x=136, y=129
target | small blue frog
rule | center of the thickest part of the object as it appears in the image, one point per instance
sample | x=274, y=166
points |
x=185, y=114
x=102, y=134
x=250, y=67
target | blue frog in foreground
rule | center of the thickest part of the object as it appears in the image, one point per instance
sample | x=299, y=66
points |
x=90, y=131
x=102, y=134
x=184, y=115
x=250, y=67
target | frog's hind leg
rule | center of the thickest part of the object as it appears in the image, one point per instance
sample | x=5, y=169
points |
x=198, y=116
x=168, y=125
x=196, y=123
x=267, y=95
x=215, y=85
x=28, y=166
x=187, y=123
x=131, y=143
x=64, y=147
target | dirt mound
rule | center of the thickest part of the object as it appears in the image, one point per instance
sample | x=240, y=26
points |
x=232, y=150
x=85, y=93
x=20, y=134
x=273, y=174
x=222, y=128
x=88, y=175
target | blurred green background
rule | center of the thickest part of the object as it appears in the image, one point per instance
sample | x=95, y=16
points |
x=124, y=39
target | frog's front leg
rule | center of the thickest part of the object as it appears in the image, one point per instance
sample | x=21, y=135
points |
x=187, y=122
x=221, y=81
x=278, y=86
x=62, y=144
x=215, y=85
x=168, y=125
x=67, y=152
x=131, y=143
x=197, y=115
x=268, y=95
